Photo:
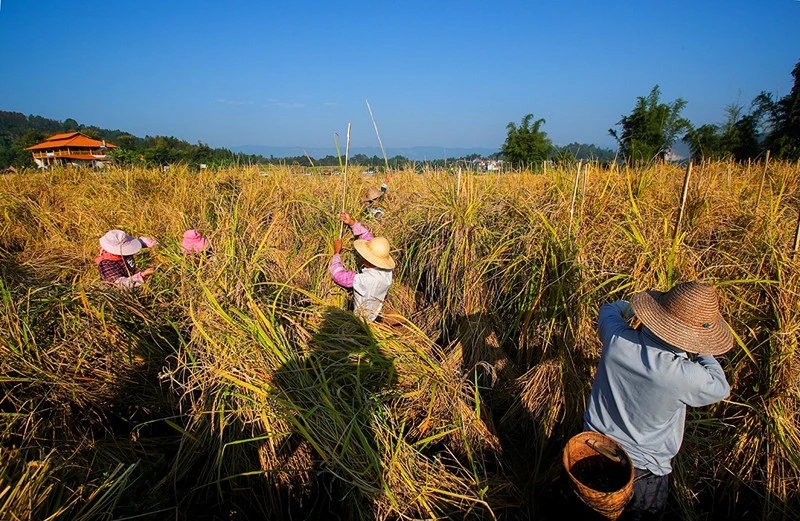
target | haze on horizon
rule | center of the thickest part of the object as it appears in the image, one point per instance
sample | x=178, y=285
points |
x=443, y=74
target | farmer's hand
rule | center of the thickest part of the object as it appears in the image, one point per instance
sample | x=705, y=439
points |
x=148, y=242
x=347, y=219
x=148, y=272
x=337, y=246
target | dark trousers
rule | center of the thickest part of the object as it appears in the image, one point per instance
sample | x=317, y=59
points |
x=650, y=493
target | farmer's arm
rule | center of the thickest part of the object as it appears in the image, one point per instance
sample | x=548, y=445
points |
x=339, y=274
x=148, y=242
x=612, y=320
x=707, y=382
x=134, y=280
x=358, y=229
x=385, y=185
x=130, y=282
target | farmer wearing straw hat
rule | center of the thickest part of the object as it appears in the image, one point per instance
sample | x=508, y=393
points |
x=373, y=197
x=657, y=358
x=372, y=283
x=116, y=263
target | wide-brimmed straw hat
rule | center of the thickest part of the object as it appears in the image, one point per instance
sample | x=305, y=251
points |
x=120, y=243
x=376, y=251
x=687, y=317
x=372, y=194
x=194, y=242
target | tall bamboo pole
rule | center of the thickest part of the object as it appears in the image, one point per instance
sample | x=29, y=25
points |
x=344, y=184
x=683, y=202
x=796, y=237
x=583, y=192
x=730, y=161
x=574, y=196
x=385, y=159
x=763, y=177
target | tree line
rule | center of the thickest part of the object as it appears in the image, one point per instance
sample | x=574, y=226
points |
x=18, y=131
x=652, y=128
x=646, y=134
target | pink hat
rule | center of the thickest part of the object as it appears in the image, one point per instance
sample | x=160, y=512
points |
x=193, y=242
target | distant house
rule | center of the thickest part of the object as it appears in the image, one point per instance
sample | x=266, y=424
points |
x=494, y=166
x=488, y=165
x=71, y=148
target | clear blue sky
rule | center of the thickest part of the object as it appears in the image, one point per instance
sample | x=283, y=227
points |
x=448, y=74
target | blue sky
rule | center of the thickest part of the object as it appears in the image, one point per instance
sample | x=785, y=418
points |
x=447, y=74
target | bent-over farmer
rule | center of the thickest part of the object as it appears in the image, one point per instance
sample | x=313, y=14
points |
x=115, y=261
x=657, y=359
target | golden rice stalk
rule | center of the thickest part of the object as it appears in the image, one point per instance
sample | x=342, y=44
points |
x=541, y=396
x=287, y=463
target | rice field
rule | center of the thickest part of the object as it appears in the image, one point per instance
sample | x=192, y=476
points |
x=240, y=387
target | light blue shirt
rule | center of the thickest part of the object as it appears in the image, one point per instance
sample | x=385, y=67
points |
x=642, y=387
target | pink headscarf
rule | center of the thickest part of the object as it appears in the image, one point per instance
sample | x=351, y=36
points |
x=193, y=242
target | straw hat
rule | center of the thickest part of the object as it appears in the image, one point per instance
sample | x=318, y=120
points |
x=120, y=243
x=687, y=317
x=372, y=194
x=193, y=242
x=376, y=251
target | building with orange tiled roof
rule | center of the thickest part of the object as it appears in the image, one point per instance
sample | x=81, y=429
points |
x=71, y=148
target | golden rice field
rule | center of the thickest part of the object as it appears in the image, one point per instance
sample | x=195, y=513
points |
x=241, y=388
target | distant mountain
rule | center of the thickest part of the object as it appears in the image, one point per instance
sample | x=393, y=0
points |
x=412, y=153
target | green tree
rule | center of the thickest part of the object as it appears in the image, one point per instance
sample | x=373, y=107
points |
x=22, y=157
x=162, y=150
x=706, y=141
x=125, y=157
x=92, y=132
x=200, y=154
x=565, y=157
x=128, y=142
x=70, y=125
x=651, y=128
x=582, y=151
x=361, y=159
x=739, y=137
x=715, y=141
x=784, y=117
x=526, y=144
x=745, y=138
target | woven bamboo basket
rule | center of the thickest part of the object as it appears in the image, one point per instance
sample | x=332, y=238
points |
x=601, y=472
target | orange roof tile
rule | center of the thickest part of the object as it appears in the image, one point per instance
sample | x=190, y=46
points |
x=69, y=139
x=85, y=157
x=65, y=135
